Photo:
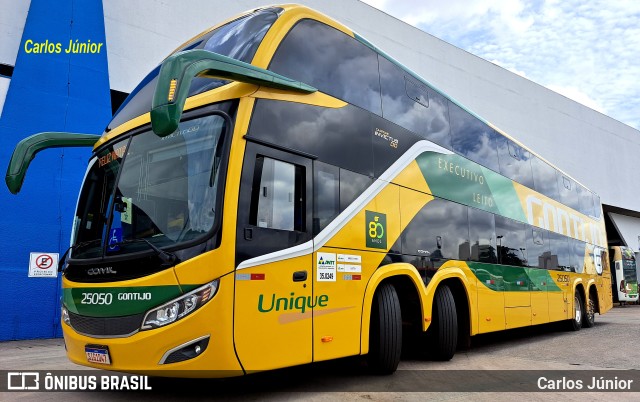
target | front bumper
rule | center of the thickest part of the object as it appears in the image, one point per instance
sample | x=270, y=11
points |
x=148, y=352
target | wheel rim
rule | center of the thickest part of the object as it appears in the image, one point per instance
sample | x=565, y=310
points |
x=577, y=308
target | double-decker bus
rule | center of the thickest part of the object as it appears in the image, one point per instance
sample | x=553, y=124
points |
x=279, y=191
x=625, y=275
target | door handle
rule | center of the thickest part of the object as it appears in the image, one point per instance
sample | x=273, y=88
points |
x=300, y=276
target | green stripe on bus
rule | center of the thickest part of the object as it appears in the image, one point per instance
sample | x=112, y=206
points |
x=457, y=179
x=503, y=278
x=119, y=301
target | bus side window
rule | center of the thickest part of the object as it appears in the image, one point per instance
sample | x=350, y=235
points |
x=544, y=178
x=474, y=139
x=562, y=252
x=596, y=205
x=351, y=186
x=586, y=201
x=416, y=91
x=580, y=250
x=569, y=195
x=538, y=253
x=326, y=195
x=440, y=231
x=515, y=162
x=276, y=196
x=482, y=233
x=412, y=105
x=511, y=241
x=337, y=64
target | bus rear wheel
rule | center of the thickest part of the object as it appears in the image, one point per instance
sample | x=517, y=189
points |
x=385, y=334
x=589, y=317
x=575, y=323
x=444, y=330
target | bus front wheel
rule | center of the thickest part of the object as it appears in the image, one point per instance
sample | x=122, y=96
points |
x=385, y=334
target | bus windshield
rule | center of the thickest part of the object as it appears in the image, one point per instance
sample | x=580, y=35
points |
x=239, y=39
x=162, y=190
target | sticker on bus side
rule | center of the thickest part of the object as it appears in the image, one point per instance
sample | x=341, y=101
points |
x=349, y=268
x=350, y=258
x=326, y=267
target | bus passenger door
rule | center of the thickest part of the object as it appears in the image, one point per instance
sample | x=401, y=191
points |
x=273, y=278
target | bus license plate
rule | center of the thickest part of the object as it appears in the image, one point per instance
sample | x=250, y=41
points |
x=97, y=354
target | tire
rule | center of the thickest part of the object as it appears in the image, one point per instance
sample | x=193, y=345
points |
x=589, y=313
x=385, y=333
x=575, y=323
x=444, y=330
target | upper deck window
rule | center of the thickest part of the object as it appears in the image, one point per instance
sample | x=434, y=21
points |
x=515, y=162
x=413, y=105
x=239, y=39
x=331, y=61
x=473, y=138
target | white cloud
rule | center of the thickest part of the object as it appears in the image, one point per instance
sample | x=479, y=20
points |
x=586, y=50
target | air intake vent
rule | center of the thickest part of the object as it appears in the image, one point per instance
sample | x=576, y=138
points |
x=106, y=326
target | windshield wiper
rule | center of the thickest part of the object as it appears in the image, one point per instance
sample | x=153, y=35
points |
x=166, y=257
x=74, y=247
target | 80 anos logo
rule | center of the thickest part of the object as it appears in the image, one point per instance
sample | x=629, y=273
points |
x=376, y=229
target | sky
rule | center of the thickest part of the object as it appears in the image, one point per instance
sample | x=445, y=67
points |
x=586, y=50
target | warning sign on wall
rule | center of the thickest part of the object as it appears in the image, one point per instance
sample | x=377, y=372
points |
x=43, y=265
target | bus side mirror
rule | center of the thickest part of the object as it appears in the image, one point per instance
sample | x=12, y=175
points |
x=27, y=149
x=178, y=71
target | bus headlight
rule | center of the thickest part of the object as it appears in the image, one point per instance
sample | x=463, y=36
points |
x=65, y=315
x=180, y=307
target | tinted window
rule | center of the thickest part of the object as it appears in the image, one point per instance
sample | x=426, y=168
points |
x=238, y=39
x=473, y=138
x=568, y=192
x=416, y=91
x=579, y=251
x=440, y=231
x=438, y=129
x=168, y=186
x=544, y=178
x=586, y=201
x=326, y=195
x=515, y=162
x=482, y=233
x=318, y=131
x=351, y=186
x=596, y=206
x=511, y=242
x=413, y=105
x=331, y=61
x=277, y=198
x=538, y=252
x=562, y=252
x=96, y=197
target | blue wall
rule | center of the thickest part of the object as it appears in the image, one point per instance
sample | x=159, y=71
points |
x=48, y=92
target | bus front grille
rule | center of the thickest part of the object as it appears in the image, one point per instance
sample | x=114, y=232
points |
x=105, y=327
